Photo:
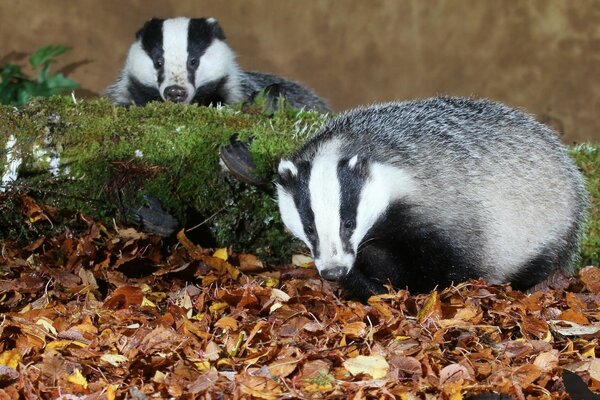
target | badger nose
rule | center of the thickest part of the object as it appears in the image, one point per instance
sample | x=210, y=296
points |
x=176, y=94
x=334, y=274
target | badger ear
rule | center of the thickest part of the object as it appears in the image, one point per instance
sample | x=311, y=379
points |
x=287, y=171
x=215, y=28
x=149, y=25
x=360, y=165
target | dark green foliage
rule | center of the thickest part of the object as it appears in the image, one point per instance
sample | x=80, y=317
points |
x=587, y=158
x=16, y=88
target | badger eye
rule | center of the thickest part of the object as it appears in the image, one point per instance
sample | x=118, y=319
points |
x=193, y=62
x=349, y=224
x=159, y=62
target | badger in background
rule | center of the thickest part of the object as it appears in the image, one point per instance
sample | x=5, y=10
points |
x=186, y=60
x=432, y=192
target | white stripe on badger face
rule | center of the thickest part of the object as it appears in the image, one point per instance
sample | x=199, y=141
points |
x=384, y=185
x=175, y=42
x=324, y=188
x=141, y=66
x=217, y=62
x=290, y=216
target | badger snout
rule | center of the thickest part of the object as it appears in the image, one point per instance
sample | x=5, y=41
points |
x=334, y=273
x=175, y=93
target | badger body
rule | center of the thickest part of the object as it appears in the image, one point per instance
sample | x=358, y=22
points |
x=432, y=192
x=187, y=60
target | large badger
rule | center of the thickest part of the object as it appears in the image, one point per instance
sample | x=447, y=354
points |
x=187, y=61
x=430, y=192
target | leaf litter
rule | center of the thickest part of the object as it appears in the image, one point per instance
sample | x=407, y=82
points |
x=118, y=314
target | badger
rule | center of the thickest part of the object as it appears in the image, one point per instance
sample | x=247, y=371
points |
x=426, y=193
x=186, y=60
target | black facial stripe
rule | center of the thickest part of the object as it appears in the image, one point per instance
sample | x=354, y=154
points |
x=141, y=94
x=351, y=182
x=298, y=187
x=151, y=36
x=211, y=93
x=200, y=36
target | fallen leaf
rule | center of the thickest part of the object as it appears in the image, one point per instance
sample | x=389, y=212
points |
x=114, y=359
x=10, y=358
x=355, y=330
x=250, y=263
x=221, y=253
x=261, y=387
x=77, y=378
x=590, y=276
x=376, y=366
x=454, y=373
x=568, y=328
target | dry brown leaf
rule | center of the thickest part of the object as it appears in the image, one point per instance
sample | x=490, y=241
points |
x=284, y=366
x=590, y=276
x=454, y=373
x=573, y=316
x=227, y=323
x=124, y=297
x=355, y=330
x=546, y=361
x=260, y=387
x=250, y=263
x=431, y=309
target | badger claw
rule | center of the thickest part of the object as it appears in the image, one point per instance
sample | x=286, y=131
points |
x=237, y=160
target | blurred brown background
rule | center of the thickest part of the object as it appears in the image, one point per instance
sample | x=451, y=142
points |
x=540, y=55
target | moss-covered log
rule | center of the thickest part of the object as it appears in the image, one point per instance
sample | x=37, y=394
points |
x=104, y=161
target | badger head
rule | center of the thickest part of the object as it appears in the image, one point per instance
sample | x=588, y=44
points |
x=331, y=203
x=182, y=60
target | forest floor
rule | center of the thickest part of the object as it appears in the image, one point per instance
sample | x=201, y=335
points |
x=110, y=313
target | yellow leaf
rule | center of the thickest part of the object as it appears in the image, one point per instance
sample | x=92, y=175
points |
x=114, y=359
x=430, y=307
x=217, y=307
x=221, y=253
x=111, y=391
x=78, y=379
x=376, y=366
x=10, y=358
x=202, y=366
x=147, y=303
x=271, y=282
x=47, y=325
x=61, y=344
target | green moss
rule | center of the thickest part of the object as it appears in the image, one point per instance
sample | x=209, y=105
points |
x=112, y=156
x=587, y=157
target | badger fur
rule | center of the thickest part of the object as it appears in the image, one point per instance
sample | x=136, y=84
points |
x=425, y=193
x=187, y=61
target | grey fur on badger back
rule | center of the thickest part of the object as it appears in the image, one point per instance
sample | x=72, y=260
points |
x=430, y=192
x=187, y=60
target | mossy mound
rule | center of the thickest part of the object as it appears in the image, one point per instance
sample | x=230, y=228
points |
x=102, y=160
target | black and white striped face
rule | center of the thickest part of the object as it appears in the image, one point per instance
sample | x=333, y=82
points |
x=178, y=57
x=332, y=202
